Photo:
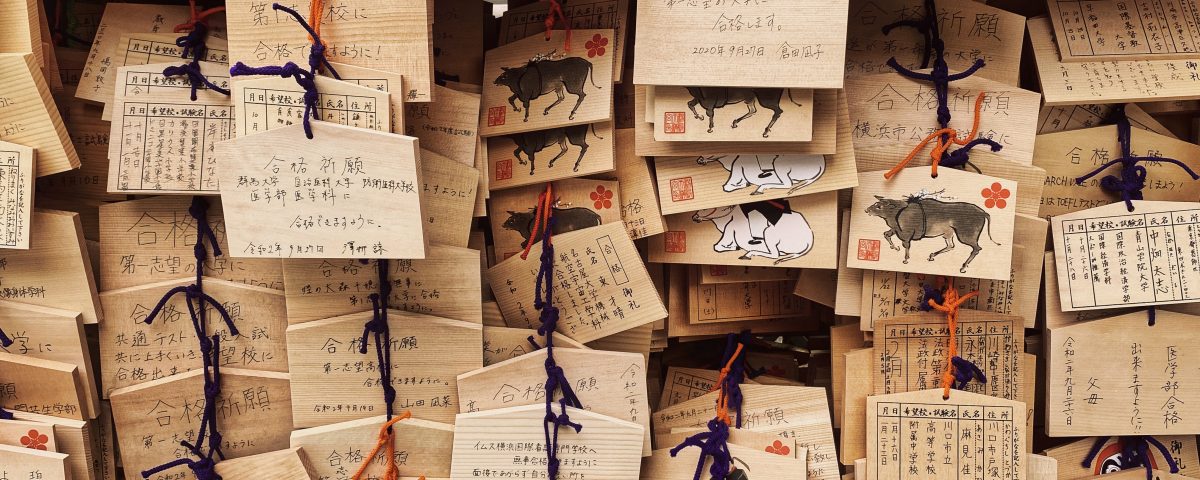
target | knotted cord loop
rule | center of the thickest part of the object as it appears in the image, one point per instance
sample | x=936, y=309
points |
x=950, y=306
x=194, y=47
x=714, y=442
x=1135, y=452
x=386, y=439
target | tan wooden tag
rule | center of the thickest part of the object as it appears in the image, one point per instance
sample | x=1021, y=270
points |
x=1053, y=311
x=31, y=117
x=605, y=449
x=746, y=462
x=1077, y=117
x=45, y=387
x=72, y=437
x=787, y=114
x=383, y=81
x=603, y=285
x=1110, y=459
x=512, y=103
x=1067, y=156
x=817, y=285
x=971, y=207
x=801, y=234
x=1104, y=32
x=165, y=141
x=683, y=384
x=333, y=382
x=266, y=103
x=90, y=136
x=710, y=181
x=968, y=436
x=56, y=271
x=145, y=48
x=16, y=194
x=530, y=20
x=848, y=299
x=1129, y=80
x=724, y=274
x=639, y=203
x=971, y=30
x=152, y=240
x=20, y=31
x=1110, y=257
x=253, y=415
x=1118, y=376
x=892, y=114
x=797, y=44
x=756, y=441
x=504, y=343
x=739, y=302
x=680, y=326
x=283, y=465
x=347, y=193
x=843, y=339
x=910, y=352
x=458, y=33
x=22, y=463
x=26, y=434
x=133, y=352
x=52, y=334
x=448, y=194
x=445, y=283
x=336, y=451
x=580, y=203
x=552, y=154
x=860, y=383
x=448, y=125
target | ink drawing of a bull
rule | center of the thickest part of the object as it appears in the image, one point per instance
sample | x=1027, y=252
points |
x=565, y=220
x=540, y=77
x=532, y=142
x=712, y=98
x=762, y=229
x=919, y=216
x=769, y=172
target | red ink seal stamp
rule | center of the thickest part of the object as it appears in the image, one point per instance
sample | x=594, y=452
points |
x=504, y=170
x=718, y=270
x=496, y=116
x=674, y=122
x=868, y=250
x=681, y=189
x=675, y=242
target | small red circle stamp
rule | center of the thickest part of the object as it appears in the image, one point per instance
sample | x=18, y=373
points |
x=681, y=189
x=504, y=170
x=675, y=242
x=496, y=116
x=868, y=250
x=674, y=122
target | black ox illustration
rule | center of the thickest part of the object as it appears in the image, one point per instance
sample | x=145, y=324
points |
x=712, y=98
x=540, y=77
x=532, y=142
x=919, y=216
x=565, y=220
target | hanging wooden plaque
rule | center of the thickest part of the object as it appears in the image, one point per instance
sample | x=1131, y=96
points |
x=504, y=343
x=448, y=191
x=579, y=203
x=16, y=194
x=21, y=462
x=56, y=271
x=528, y=20
x=787, y=114
x=45, y=387
x=74, y=438
x=26, y=434
x=550, y=155
x=447, y=125
x=746, y=462
x=1105, y=32
x=741, y=301
x=688, y=184
x=282, y=465
x=145, y=48
x=383, y=81
x=1077, y=117
x=266, y=103
x=31, y=117
x=336, y=451
x=52, y=334
x=639, y=203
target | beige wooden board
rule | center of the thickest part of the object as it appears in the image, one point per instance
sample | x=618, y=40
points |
x=698, y=182
x=971, y=30
x=608, y=383
x=513, y=103
x=503, y=343
x=26, y=434
x=605, y=449
x=336, y=451
x=1104, y=31
x=20, y=29
x=333, y=382
x=382, y=81
x=683, y=384
x=740, y=439
x=20, y=462
x=860, y=383
x=1053, y=312
x=968, y=436
x=797, y=413
x=1111, y=257
x=579, y=203
x=448, y=125
x=56, y=270
x=52, y=334
x=739, y=302
x=817, y=285
x=72, y=437
x=635, y=340
x=910, y=352
x=1076, y=117
x=165, y=141
x=798, y=43
x=842, y=340
x=134, y=352
x=31, y=117
x=849, y=280
x=955, y=205
x=639, y=201
x=153, y=239
x=1132, y=80
x=1067, y=156
x=16, y=194
x=892, y=114
x=393, y=36
x=803, y=236
x=90, y=136
x=552, y=154
x=1041, y=467
x=679, y=326
x=458, y=33
x=827, y=104
x=283, y=465
x=619, y=296
x=266, y=103
x=1117, y=376
x=445, y=283
x=144, y=48
x=284, y=205
x=786, y=114
x=528, y=20
x=724, y=274
x=448, y=194
x=253, y=415
x=1110, y=459
x=45, y=387
x=746, y=462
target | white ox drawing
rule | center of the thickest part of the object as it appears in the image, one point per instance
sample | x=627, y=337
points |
x=769, y=172
x=744, y=228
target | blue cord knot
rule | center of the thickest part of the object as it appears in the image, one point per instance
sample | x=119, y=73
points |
x=1135, y=452
x=713, y=443
x=965, y=371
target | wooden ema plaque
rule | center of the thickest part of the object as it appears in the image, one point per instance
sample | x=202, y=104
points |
x=90, y=136
x=335, y=383
x=604, y=287
x=16, y=194
x=447, y=125
x=21, y=462
x=253, y=414
x=639, y=203
x=337, y=450
x=31, y=435
x=382, y=81
x=45, y=387
x=1118, y=376
x=281, y=465
x=76, y=438
x=266, y=103
x=52, y=334
x=714, y=274
x=770, y=462
x=145, y=48
x=133, y=352
x=528, y=20
x=741, y=302
x=969, y=436
x=348, y=193
x=1104, y=32
x=504, y=343
x=608, y=383
x=787, y=114
x=683, y=384
x=510, y=442
x=31, y=117
x=1110, y=458
x=579, y=203
x=552, y=154
x=448, y=191
x=56, y=271
x=687, y=184
x=21, y=32
x=1077, y=117
x=445, y=283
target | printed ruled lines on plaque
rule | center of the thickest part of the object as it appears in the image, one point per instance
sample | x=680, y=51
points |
x=16, y=194
x=1096, y=31
x=262, y=104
